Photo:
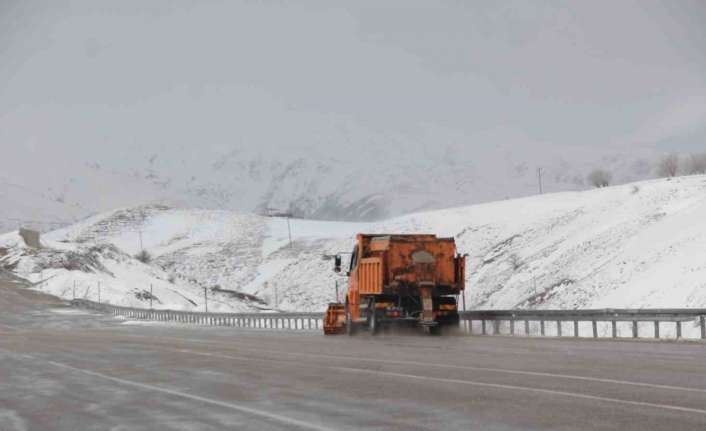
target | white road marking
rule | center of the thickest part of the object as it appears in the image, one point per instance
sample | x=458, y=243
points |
x=461, y=381
x=525, y=388
x=11, y=328
x=288, y=421
x=448, y=366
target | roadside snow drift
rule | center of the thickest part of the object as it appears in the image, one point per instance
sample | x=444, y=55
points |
x=637, y=245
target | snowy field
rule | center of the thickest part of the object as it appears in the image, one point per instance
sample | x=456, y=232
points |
x=638, y=245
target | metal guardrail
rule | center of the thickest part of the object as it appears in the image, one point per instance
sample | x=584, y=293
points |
x=275, y=320
x=533, y=322
x=557, y=318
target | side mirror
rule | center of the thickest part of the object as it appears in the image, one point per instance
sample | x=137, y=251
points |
x=337, y=263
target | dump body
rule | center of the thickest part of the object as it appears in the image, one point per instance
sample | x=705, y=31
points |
x=415, y=278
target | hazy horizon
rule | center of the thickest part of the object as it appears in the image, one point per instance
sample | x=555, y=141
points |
x=170, y=90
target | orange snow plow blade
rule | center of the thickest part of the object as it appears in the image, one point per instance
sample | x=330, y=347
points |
x=335, y=320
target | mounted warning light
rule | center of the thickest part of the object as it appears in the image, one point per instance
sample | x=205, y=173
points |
x=337, y=263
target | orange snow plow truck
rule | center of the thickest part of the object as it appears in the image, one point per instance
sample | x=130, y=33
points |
x=413, y=279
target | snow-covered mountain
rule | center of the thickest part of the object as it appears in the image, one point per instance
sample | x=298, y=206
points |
x=636, y=245
x=369, y=182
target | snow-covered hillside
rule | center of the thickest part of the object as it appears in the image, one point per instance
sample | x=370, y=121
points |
x=368, y=182
x=637, y=245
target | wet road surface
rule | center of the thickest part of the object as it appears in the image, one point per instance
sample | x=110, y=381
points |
x=66, y=369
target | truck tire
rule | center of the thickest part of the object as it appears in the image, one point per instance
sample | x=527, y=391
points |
x=350, y=325
x=373, y=324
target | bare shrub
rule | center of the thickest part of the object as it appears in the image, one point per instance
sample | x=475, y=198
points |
x=171, y=278
x=144, y=257
x=515, y=262
x=600, y=178
x=668, y=166
x=635, y=189
x=696, y=164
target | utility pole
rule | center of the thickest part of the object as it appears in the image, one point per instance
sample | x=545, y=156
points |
x=74, y=289
x=336, y=290
x=139, y=231
x=99, y=292
x=151, y=296
x=273, y=212
x=539, y=177
x=276, y=301
x=205, y=299
x=289, y=230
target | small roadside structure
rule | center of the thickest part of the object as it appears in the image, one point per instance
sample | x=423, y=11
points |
x=30, y=237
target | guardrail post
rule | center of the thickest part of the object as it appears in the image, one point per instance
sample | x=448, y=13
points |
x=483, y=331
x=576, y=328
x=702, y=320
x=541, y=328
x=558, y=327
x=512, y=326
x=678, y=329
x=614, y=328
x=526, y=327
x=656, y=328
x=496, y=327
x=634, y=329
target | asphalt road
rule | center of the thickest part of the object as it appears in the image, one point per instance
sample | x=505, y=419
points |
x=66, y=370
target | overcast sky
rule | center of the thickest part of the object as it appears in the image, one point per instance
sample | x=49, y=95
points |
x=100, y=80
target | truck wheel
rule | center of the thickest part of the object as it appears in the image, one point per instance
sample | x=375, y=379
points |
x=373, y=323
x=350, y=330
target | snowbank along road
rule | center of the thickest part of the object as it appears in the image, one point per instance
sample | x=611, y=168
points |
x=64, y=370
